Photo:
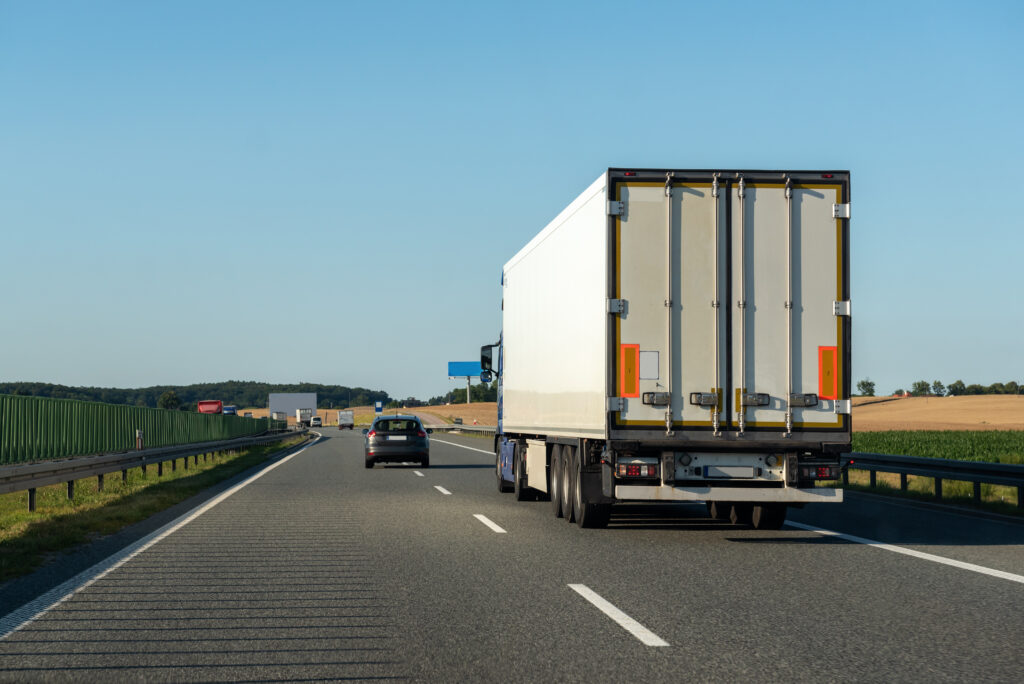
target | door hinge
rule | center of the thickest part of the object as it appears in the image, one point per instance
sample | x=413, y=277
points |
x=841, y=308
x=841, y=406
x=617, y=404
x=616, y=208
x=841, y=211
x=617, y=306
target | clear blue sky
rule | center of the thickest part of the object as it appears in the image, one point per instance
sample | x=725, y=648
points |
x=326, y=191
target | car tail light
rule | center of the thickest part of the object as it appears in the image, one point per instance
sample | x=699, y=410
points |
x=421, y=433
x=637, y=470
x=371, y=433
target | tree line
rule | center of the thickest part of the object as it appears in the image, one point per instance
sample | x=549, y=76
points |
x=923, y=388
x=185, y=397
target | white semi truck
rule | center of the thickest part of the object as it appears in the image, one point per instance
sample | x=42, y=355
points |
x=303, y=417
x=679, y=335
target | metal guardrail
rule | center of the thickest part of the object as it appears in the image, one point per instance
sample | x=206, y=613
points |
x=30, y=476
x=486, y=429
x=975, y=472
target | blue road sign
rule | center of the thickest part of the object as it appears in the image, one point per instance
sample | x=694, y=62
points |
x=378, y=407
x=458, y=369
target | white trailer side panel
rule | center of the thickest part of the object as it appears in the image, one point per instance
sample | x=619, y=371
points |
x=555, y=325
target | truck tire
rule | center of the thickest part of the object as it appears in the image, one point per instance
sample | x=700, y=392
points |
x=503, y=486
x=587, y=514
x=522, y=492
x=555, y=480
x=769, y=516
x=568, y=482
x=718, y=510
x=741, y=513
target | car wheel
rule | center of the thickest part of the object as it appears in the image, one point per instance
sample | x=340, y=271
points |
x=741, y=513
x=769, y=516
x=369, y=462
x=718, y=510
x=587, y=514
x=522, y=492
x=555, y=480
x=568, y=488
x=503, y=486
x=425, y=461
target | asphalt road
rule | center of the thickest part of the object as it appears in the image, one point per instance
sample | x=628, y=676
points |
x=321, y=569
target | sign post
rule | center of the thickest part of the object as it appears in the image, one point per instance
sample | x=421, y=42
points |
x=466, y=369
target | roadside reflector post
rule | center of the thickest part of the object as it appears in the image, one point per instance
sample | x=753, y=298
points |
x=938, y=488
x=99, y=482
x=903, y=482
x=71, y=489
x=143, y=469
x=32, y=500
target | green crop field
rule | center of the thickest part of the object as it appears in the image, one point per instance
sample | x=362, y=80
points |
x=994, y=446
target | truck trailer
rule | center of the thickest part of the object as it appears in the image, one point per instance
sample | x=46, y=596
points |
x=681, y=336
x=303, y=417
x=346, y=419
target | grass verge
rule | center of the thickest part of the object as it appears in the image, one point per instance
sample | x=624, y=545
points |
x=994, y=498
x=27, y=540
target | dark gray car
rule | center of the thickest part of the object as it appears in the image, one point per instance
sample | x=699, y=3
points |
x=397, y=439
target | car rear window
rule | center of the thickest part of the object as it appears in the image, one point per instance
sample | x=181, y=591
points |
x=397, y=426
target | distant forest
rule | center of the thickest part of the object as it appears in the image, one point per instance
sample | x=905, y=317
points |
x=241, y=394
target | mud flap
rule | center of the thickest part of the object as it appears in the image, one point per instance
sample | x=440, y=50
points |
x=598, y=484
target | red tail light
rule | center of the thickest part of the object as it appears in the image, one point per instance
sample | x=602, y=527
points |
x=421, y=433
x=371, y=433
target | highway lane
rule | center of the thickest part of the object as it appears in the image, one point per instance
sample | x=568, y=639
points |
x=322, y=569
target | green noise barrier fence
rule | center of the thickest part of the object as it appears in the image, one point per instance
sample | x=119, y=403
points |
x=45, y=429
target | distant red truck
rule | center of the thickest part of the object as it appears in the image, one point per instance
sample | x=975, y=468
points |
x=211, y=406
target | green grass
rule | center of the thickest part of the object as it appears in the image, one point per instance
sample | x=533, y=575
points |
x=995, y=446
x=988, y=446
x=27, y=540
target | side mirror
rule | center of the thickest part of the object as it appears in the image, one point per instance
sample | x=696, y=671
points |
x=485, y=376
x=486, y=356
x=430, y=430
x=366, y=431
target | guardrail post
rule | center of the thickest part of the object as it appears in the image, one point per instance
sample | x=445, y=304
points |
x=32, y=500
x=184, y=462
x=846, y=476
x=1020, y=496
x=872, y=475
x=99, y=482
x=143, y=470
x=903, y=482
x=977, y=493
x=196, y=460
x=124, y=475
x=174, y=464
x=160, y=469
x=938, y=488
x=71, y=489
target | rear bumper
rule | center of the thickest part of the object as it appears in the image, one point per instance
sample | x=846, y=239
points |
x=754, y=494
x=398, y=454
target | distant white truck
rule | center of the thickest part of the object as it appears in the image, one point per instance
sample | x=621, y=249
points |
x=680, y=335
x=346, y=419
x=303, y=417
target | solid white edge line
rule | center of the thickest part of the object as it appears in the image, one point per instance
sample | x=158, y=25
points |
x=490, y=523
x=911, y=552
x=31, y=611
x=645, y=635
x=463, y=446
x=419, y=474
x=442, y=490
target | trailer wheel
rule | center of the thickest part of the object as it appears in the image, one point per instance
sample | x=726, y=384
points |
x=568, y=482
x=587, y=514
x=555, y=480
x=522, y=492
x=741, y=513
x=503, y=486
x=718, y=510
x=769, y=516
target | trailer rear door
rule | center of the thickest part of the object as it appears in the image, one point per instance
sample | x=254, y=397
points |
x=734, y=302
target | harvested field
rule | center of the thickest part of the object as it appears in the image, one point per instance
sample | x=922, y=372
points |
x=981, y=412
